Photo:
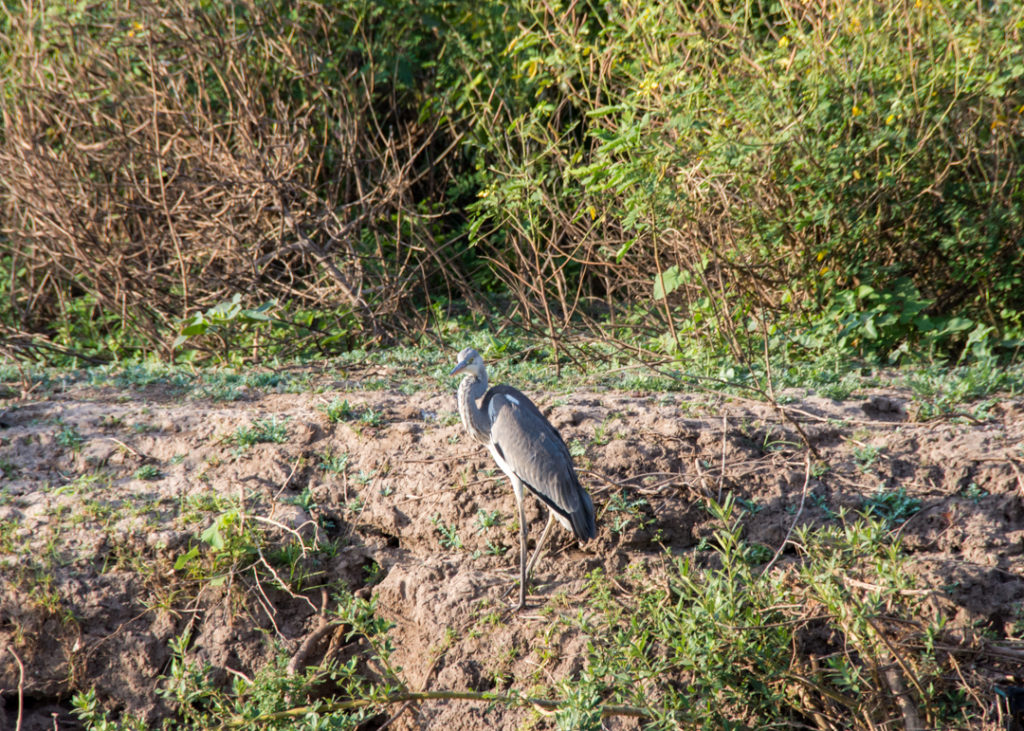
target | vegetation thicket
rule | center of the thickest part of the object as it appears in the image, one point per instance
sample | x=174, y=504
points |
x=849, y=171
x=726, y=179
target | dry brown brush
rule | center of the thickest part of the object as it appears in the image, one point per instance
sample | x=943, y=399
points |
x=157, y=158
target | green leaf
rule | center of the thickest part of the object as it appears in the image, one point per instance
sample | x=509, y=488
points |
x=957, y=324
x=197, y=328
x=870, y=331
x=212, y=535
x=668, y=282
x=186, y=558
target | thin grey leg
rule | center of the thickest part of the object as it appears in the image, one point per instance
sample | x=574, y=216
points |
x=540, y=543
x=522, y=552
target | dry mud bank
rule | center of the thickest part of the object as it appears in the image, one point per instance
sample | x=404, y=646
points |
x=105, y=489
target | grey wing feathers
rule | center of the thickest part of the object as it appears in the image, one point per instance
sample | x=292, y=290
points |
x=537, y=454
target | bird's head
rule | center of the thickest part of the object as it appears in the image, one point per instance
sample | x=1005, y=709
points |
x=471, y=362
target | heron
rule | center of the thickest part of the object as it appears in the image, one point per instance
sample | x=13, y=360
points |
x=529, y=450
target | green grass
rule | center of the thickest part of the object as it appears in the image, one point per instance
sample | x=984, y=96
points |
x=529, y=362
x=340, y=410
x=333, y=463
x=268, y=429
x=70, y=438
x=717, y=642
x=148, y=472
x=894, y=507
x=9, y=469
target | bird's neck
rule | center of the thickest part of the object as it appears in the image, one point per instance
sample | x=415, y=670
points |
x=470, y=390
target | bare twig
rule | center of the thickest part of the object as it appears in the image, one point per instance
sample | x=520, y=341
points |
x=21, y=688
x=796, y=518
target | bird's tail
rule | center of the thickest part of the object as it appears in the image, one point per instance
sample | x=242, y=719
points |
x=584, y=525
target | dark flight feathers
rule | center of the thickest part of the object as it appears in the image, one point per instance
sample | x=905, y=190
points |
x=535, y=451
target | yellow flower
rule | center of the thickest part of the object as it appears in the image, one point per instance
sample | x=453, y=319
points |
x=856, y=111
x=890, y=119
x=783, y=42
x=593, y=212
x=856, y=174
x=823, y=271
x=821, y=255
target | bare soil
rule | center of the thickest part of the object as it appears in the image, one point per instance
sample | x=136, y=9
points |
x=90, y=596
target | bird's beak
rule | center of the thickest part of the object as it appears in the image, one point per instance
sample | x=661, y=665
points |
x=459, y=367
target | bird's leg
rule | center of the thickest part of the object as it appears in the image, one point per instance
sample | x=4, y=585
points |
x=540, y=543
x=522, y=551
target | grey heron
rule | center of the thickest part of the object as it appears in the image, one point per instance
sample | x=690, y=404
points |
x=529, y=450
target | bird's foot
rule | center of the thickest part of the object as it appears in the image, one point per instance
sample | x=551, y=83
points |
x=516, y=606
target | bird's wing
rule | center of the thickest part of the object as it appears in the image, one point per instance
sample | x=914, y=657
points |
x=536, y=453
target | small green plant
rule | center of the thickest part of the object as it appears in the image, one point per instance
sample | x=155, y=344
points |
x=820, y=501
x=86, y=706
x=449, y=418
x=750, y=505
x=974, y=493
x=303, y=500
x=9, y=469
x=228, y=320
x=338, y=410
x=838, y=390
x=371, y=418
x=892, y=506
x=866, y=455
x=261, y=430
x=487, y=520
x=627, y=510
x=495, y=549
x=333, y=463
x=374, y=573
x=148, y=472
x=69, y=437
x=449, y=537
x=601, y=437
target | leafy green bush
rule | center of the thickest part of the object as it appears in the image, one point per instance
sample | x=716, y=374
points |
x=740, y=646
x=848, y=164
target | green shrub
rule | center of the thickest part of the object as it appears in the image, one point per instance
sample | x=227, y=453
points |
x=852, y=164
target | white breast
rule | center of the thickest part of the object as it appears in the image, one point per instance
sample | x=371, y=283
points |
x=507, y=469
